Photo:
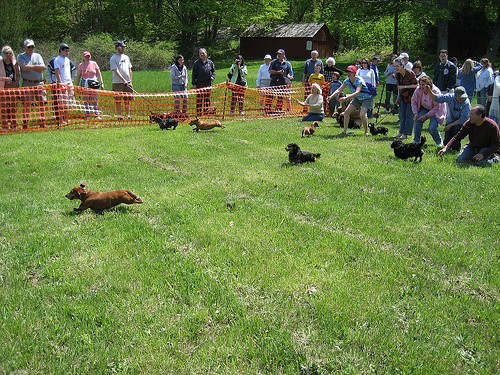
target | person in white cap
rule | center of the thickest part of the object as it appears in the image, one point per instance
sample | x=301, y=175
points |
x=263, y=76
x=121, y=67
x=32, y=66
x=406, y=60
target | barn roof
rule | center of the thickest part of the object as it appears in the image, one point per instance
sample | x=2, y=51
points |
x=294, y=30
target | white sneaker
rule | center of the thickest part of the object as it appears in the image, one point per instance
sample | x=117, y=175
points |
x=441, y=145
x=402, y=136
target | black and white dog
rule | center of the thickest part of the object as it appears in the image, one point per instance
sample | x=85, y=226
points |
x=296, y=155
x=409, y=150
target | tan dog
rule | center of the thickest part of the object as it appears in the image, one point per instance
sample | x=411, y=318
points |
x=205, y=124
x=101, y=201
x=310, y=129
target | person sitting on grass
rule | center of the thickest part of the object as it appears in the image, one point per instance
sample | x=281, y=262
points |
x=484, y=138
x=360, y=97
x=315, y=103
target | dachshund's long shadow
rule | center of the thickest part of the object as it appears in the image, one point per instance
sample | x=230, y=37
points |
x=119, y=209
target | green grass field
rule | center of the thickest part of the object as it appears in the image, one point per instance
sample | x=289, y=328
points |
x=238, y=263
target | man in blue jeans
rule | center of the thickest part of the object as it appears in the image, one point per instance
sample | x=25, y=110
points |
x=458, y=112
x=484, y=138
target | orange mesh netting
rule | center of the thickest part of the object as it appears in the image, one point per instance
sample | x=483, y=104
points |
x=61, y=106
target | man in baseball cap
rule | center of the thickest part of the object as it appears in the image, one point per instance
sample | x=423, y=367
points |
x=459, y=107
x=406, y=60
x=32, y=68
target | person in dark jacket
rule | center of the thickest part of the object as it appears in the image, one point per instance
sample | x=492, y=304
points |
x=445, y=74
x=202, y=78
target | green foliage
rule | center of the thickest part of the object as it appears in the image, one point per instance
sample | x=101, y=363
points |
x=237, y=262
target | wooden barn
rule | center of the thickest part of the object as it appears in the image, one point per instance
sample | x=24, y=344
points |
x=298, y=40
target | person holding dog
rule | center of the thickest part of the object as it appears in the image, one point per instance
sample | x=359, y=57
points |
x=484, y=138
x=121, y=67
x=202, y=78
x=360, y=98
x=89, y=76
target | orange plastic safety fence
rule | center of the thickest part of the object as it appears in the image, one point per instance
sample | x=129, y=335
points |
x=61, y=106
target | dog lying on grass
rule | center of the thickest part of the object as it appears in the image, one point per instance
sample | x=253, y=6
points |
x=296, y=155
x=205, y=124
x=310, y=129
x=409, y=150
x=100, y=201
x=377, y=130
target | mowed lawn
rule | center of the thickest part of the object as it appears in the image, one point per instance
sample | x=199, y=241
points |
x=239, y=263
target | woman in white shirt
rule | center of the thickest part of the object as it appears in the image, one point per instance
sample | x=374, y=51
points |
x=367, y=73
x=484, y=78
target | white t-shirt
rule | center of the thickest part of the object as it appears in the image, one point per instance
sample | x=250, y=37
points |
x=62, y=63
x=122, y=64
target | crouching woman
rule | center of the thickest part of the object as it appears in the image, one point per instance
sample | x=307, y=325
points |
x=425, y=108
x=315, y=103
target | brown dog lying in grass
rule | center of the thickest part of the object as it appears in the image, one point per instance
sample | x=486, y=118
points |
x=100, y=201
x=205, y=124
x=309, y=129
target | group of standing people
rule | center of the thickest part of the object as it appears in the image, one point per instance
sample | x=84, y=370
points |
x=27, y=72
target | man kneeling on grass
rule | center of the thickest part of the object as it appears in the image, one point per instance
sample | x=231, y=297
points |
x=484, y=138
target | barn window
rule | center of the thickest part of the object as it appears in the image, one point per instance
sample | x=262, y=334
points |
x=309, y=45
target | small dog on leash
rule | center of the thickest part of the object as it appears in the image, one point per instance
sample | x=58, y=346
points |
x=409, y=150
x=296, y=155
x=377, y=130
x=167, y=123
x=310, y=129
x=100, y=201
x=205, y=124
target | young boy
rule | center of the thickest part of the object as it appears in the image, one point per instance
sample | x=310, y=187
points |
x=317, y=77
x=334, y=85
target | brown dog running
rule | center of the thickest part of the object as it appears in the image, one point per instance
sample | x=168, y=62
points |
x=309, y=129
x=205, y=124
x=101, y=201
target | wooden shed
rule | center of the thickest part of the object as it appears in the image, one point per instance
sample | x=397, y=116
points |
x=298, y=40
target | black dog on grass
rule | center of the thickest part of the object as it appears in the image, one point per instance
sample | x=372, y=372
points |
x=296, y=155
x=377, y=130
x=165, y=123
x=409, y=150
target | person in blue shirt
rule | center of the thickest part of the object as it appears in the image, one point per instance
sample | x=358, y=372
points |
x=458, y=111
x=281, y=74
x=360, y=98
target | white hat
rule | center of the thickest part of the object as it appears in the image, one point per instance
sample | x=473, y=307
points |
x=268, y=56
x=403, y=55
x=28, y=43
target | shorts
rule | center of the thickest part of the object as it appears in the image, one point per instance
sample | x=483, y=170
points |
x=123, y=87
x=366, y=103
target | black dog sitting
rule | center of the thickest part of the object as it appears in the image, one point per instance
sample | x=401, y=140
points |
x=409, y=150
x=296, y=155
x=377, y=130
x=167, y=123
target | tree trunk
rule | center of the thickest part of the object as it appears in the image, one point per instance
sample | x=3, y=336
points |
x=442, y=25
x=492, y=51
x=395, y=43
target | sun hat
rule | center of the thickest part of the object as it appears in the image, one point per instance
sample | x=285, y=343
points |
x=268, y=56
x=460, y=92
x=352, y=69
x=29, y=43
x=403, y=55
